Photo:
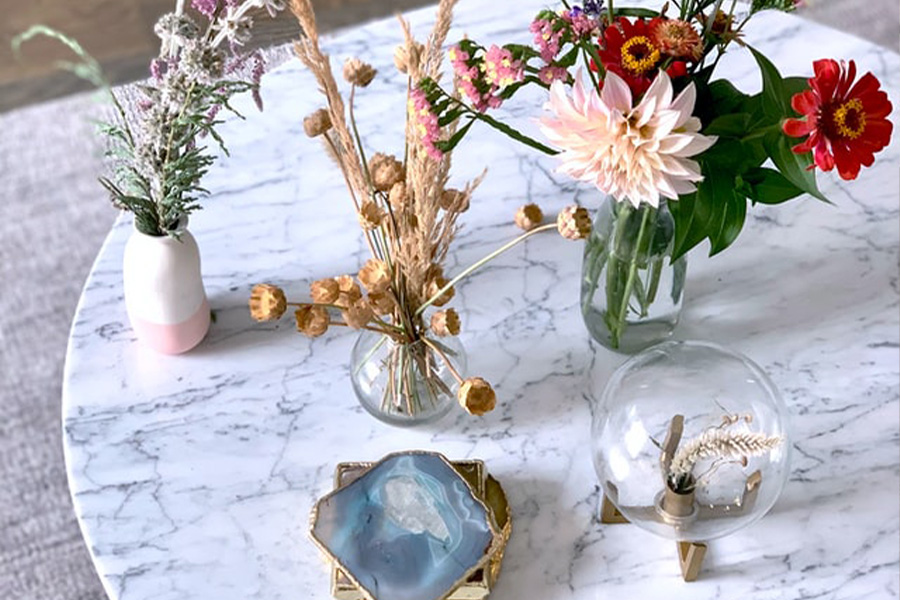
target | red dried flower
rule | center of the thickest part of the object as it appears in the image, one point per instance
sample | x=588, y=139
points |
x=846, y=125
x=676, y=38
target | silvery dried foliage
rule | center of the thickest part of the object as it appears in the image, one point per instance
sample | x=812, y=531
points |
x=193, y=78
x=157, y=142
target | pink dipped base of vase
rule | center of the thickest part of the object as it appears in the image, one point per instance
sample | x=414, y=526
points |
x=175, y=338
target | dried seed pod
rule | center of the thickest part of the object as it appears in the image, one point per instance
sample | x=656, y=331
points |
x=358, y=314
x=574, y=223
x=398, y=196
x=370, y=215
x=358, y=73
x=445, y=322
x=407, y=59
x=267, y=302
x=349, y=291
x=454, y=200
x=529, y=216
x=385, y=170
x=434, y=285
x=324, y=291
x=382, y=303
x=374, y=276
x=312, y=320
x=476, y=396
x=317, y=123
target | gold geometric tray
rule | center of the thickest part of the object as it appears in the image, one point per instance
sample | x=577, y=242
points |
x=489, y=491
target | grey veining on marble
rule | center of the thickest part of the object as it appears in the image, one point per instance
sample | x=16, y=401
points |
x=193, y=476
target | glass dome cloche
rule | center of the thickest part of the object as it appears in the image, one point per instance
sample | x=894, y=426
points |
x=690, y=440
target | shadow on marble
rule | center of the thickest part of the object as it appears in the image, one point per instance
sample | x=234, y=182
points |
x=832, y=295
x=546, y=536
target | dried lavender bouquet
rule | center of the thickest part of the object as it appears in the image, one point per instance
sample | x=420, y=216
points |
x=157, y=149
x=408, y=214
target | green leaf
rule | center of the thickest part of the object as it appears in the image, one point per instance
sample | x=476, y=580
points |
x=775, y=101
x=710, y=212
x=456, y=138
x=735, y=156
x=691, y=217
x=796, y=168
x=569, y=58
x=509, y=90
x=449, y=117
x=635, y=12
x=731, y=221
x=725, y=97
x=752, y=105
x=768, y=186
x=730, y=125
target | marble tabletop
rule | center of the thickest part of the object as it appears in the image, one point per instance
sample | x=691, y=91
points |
x=193, y=476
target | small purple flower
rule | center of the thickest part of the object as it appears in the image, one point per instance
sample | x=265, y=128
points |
x=213, y=112
x=259, y=67
x=206, y=8
x=593, y=7
x=156, y=69
x=582, y=24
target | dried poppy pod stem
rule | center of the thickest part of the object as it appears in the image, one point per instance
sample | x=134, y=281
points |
x=476, y=265
x=445, y=358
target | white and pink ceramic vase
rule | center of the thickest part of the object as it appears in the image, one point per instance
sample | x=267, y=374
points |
x=164, y=293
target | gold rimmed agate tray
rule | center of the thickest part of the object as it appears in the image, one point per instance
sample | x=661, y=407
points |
x=413, y=526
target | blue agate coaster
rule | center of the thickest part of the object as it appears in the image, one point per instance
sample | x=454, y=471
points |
x=409, y=528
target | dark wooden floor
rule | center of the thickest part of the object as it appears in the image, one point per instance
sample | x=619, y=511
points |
x=119, y=33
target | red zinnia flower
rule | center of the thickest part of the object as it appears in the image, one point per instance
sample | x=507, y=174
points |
x=846, y=126
x=630, y=53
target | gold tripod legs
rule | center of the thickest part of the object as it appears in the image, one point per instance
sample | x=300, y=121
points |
x=690, y=554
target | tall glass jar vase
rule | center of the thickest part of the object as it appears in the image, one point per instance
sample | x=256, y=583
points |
x=406, y=384
x=631, y=292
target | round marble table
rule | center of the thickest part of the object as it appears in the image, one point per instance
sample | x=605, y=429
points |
x=193, y=476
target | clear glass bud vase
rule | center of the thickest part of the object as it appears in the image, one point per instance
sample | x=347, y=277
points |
x=631, y=292
x=406, y=384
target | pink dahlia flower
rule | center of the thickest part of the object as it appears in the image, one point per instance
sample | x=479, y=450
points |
x=633, y=153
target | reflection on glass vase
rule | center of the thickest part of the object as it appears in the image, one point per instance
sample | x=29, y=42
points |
x=406, y=384
x=631, y=292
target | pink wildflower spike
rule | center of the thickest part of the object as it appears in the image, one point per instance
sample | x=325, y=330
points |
x=425, y=123
x=581, y=23
x=500, y=69
x=548, y=41
x=459, y=59
x=549, y=74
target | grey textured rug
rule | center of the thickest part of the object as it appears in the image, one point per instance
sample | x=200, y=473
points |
x=53, y=218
